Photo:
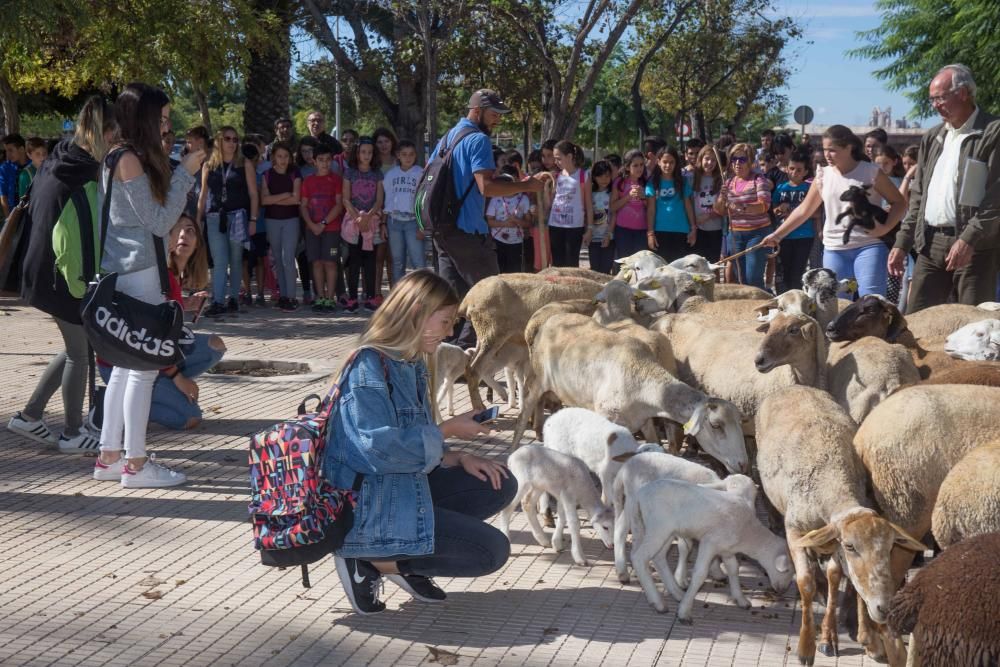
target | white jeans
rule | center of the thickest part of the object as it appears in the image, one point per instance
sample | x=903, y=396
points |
x=130, y=393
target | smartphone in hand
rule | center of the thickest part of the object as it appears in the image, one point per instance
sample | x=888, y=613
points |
x=488, y=415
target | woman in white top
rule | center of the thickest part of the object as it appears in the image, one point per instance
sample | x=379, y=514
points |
x=864, y=255
x=570, y=211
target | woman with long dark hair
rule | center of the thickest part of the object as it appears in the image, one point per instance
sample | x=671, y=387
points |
x=146, y=201
x=74, y=165
x=386, y=146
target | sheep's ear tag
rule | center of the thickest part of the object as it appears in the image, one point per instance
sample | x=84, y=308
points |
x=639, y=294
x=654, y=284
x=688, y=425
x=852, y=285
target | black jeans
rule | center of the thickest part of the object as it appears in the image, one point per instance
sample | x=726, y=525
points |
x=566, y=245
x=463, y=260
x=708, y=244
x=360, y=262
x=510, y=257
x=602, y=259
x=672, y=245
x=464, y=545
x=793, y=259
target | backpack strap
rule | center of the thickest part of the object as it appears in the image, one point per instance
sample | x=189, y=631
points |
x=111, y=162
x=447, y=150
x=86, y=221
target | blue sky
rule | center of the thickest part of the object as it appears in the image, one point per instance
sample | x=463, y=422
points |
x=838, y=88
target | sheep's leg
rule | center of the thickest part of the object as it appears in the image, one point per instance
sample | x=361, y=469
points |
x=528, y=402
x=642, y=553
x=509, y=378
x=497, y=388
x=680, y=574
x=830, y=645
x=807, y=589
x=621, y=536
x=486, y=353
x=913, y=657
x=673, y=586
x=536, y=528
x=701, y=564
x=451, y=398
x=649, y=433
x=733, y=568
x=507, y=512
x=868, y=635
x=894, y=649
x=567, y=506
x=442, y=394
x=675, y=437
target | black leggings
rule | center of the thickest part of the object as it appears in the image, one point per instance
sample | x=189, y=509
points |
x=464, y=545
x=360, y=262
x=509, y=257
x=672, y=245
x=566, y=245
x=305, y=276
x=793, y=260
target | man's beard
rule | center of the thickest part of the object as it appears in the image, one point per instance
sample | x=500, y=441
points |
x=485, y=128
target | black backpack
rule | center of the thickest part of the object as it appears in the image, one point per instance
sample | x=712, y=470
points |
x=437, y=203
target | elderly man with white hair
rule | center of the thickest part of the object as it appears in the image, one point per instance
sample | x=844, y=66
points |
x=953, y=222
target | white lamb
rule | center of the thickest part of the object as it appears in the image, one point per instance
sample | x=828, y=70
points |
x=977, y=341
x=451, y=362
x=723, y=523
x=540, y=470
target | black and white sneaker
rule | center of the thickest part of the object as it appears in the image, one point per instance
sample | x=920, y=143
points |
x=362, y=583
x=34, y=430
x=421, y=588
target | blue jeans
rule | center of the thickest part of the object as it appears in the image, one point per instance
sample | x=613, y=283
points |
x=170, y=407
x=226, y=255
x=404, y=244
x=753, y=264
x=867, y=265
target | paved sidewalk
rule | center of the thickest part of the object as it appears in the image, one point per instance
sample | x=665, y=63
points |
x=96, y=575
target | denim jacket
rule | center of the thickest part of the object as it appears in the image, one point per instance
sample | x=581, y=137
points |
x=392, y=440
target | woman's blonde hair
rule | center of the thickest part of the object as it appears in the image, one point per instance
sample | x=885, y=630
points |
x=195, y=273
x=397, y=327
x=215, y=160
x=96, y=117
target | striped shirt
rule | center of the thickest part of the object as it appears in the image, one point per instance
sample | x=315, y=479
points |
x=747, y=193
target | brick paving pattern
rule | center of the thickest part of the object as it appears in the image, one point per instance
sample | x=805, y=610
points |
x=97, y=575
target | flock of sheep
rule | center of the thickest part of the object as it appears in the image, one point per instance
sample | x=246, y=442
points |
x=866, y=430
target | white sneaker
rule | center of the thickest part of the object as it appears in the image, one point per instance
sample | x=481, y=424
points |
x=84, y=443
x=109, y=472
x=34, y=430
x=151, y=476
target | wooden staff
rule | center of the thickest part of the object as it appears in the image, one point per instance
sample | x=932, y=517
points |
x=543, y=196
x=749, y=250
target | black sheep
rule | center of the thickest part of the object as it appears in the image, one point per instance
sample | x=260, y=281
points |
x=862, y=212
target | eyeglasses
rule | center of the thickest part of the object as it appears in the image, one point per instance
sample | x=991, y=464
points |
x=738, y=159
x=315, y=120
x=938, y=99
x=231, y=140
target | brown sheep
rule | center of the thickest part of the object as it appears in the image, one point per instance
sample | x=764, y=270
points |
x=968, y=502
x=971, y=372
x=950, y=607
x=942, y=319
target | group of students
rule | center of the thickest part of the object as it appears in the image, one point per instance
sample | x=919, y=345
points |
x=315, y=211
x=716, y=200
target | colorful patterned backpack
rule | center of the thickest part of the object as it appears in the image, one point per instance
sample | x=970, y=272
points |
x=298, y=517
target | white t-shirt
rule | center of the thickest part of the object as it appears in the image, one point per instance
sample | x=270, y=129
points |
x=832, y=184
x=567, y=205
x=501, y=208
x=400, y=190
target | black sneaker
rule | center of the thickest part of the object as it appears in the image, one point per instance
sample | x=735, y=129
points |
x=362, y=583
x=215, y=310
x=285, y=305
x=421, y=588
x=233, y=307
x=260, y=302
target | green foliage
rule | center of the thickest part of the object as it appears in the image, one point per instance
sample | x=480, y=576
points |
x=618, y=132
x=918, y=37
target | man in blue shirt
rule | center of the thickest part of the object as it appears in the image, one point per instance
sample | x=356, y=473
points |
x=466, y=255
x=17, y=159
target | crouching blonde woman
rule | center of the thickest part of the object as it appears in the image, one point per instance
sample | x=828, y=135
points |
x=421, y=506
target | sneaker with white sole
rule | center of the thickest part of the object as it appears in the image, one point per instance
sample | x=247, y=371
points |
x=420, y=587
x=34, y=430
x=84, y=443
x=109, y=472
x=362, y=583
x=151, y=476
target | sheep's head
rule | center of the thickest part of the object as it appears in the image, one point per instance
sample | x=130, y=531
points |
x=865, y=542
x=793, y=301
x=695, y=264
x=856, y=194
x=622, y=446
x=788, y=338
x=977, y=341
x=871, y=315
x=743, y=486
x=639, y=265
x=718, y=425
x=780, y=572
x=603, y=523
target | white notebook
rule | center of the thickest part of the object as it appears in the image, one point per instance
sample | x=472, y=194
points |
x=973, y=183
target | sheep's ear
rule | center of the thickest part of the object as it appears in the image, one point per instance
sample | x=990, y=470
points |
x=782, y=564
x=822, y=540
x=764, y=327
x=907, y=541
x=654, y=284
x=612, y=437
x=622, y=458
x=897, y=323
x=765, y=308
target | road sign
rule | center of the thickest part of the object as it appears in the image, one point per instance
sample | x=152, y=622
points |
x=67, y=125
x=598, y=114
x=803, y=115
x=683, y=129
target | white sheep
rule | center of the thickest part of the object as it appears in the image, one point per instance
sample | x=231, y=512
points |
x=667, y=288
x=942, y=319
x=541, y=470
x=750, y=310
x=723, y=524
x=569, y=353
x=968, y=502
x=735, y=291
x=638, y=266
x=452, y=362
x=575, y=272
x=976, y=341
x=615, y=302
x=512, y=359
x=812, y=476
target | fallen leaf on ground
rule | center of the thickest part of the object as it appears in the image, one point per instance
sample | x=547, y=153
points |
x=152, y=595
x=180, y=582
x=215, y=408
x=150, y=581
x=443, y=657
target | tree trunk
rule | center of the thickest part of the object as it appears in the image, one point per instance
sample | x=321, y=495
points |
x=267, y=77
x=526, y=136
x=425, y=22
x=8, y=105
x=202, y=101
